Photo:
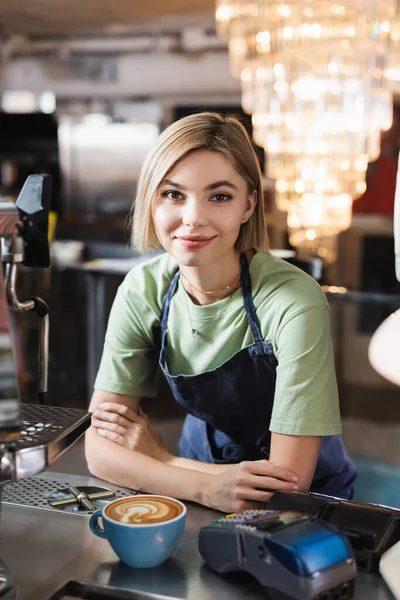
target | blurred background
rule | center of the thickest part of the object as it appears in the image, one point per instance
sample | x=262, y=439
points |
x=85, y=89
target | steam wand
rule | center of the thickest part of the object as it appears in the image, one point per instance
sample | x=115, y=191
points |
x=37, y=305
x=23, y=233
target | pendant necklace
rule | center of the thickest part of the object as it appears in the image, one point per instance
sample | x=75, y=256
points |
x=220, y=311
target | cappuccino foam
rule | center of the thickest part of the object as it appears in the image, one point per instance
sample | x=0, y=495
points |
x=143, y=511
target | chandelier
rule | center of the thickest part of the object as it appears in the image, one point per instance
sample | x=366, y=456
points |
x=317, y=78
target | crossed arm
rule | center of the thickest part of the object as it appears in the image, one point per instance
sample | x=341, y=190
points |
x=123, y=447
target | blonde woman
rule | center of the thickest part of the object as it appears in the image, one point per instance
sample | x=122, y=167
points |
x=242, y=338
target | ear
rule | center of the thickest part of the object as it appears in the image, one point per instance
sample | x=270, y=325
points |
x=251, y=205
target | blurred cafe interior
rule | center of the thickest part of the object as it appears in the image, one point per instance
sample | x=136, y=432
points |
x=86, y=88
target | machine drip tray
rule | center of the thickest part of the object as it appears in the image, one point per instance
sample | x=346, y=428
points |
x=46, y=493
x=87, y=591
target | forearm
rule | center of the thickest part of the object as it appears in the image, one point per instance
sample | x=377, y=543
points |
x=298, y=454
x=195, y=465
x=116, y=464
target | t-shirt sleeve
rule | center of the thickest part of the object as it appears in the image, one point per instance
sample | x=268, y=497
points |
x=129, y=361
x=306, y=397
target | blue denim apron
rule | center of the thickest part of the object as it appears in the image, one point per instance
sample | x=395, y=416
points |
x=229, y=408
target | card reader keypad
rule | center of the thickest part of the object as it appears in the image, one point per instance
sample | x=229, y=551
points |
x=241, y=518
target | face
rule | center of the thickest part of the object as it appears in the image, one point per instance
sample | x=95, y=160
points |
x=200, y=206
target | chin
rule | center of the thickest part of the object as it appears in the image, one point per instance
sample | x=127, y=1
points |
x=190, y=258
x=187, y=259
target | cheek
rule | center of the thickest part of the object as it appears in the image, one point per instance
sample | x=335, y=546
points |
x=233, y=220
x=162, y=218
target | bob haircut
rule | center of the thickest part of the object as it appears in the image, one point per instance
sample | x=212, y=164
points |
x=201, y=131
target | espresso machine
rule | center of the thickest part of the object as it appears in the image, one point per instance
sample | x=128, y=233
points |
x=34, y=435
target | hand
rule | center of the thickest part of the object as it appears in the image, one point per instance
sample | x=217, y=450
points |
x=248, y=485
x=130, y=429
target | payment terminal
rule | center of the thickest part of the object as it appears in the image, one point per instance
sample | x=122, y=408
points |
x=293, y=555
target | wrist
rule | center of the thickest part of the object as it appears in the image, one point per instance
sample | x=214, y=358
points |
x=200, y=481
x=203, y=489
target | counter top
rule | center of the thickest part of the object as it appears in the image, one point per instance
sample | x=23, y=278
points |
x=45, y=548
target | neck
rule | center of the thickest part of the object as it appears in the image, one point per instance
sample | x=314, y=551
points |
x=213, y=276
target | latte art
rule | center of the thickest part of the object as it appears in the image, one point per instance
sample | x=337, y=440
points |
x=143, y=511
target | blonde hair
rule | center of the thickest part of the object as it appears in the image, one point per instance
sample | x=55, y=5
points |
x=201, y=131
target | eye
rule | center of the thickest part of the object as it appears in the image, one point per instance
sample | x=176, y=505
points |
x=172, y=195
x=221, y=197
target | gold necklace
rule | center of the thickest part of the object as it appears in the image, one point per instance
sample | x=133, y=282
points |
x=230, y=286
x=222, y=310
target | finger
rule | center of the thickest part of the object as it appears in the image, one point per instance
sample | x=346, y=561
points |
x=248, y=480
x=121, y=409
x=114, y=437
x=111, y=417
x=270, y=483
x=264, y=467
x=110, y=427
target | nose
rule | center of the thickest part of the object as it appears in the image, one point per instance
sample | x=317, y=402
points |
x=194, y=213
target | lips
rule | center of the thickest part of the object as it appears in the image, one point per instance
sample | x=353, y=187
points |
x=195, y=238
x=194, y=241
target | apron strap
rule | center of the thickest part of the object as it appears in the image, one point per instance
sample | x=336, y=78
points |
x=248, y=300
x=167, y=302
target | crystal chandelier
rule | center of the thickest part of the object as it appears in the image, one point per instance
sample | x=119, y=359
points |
x=316, y=78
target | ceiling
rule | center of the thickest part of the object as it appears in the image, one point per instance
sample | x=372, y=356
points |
x=73, y=17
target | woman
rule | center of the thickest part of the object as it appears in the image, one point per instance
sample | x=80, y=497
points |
x=241, y=337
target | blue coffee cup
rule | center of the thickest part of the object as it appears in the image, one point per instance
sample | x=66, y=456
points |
x=140, y=545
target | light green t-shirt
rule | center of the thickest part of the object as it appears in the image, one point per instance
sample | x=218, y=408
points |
x=293, y=314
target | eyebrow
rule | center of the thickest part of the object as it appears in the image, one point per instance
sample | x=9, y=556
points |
x=212, y=186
